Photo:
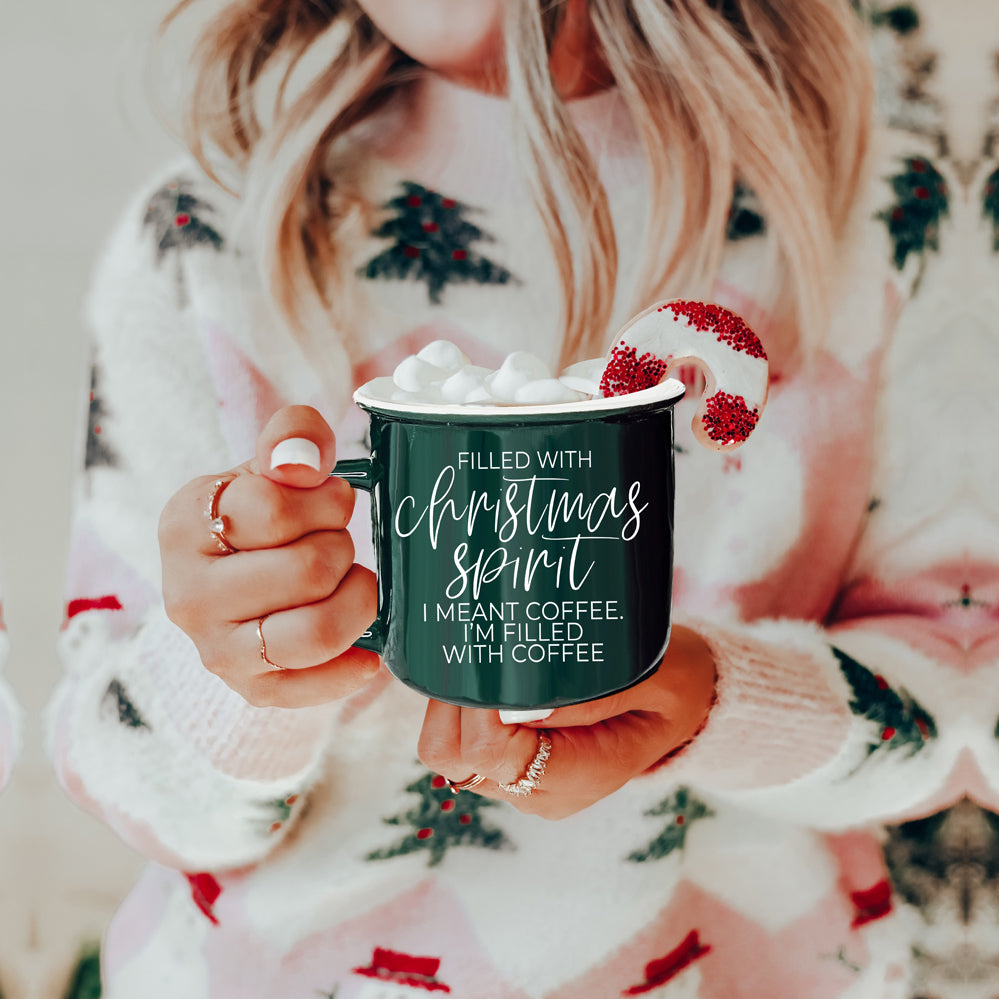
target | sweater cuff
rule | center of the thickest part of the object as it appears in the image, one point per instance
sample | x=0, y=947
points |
x=235, y=737
x=780, y=712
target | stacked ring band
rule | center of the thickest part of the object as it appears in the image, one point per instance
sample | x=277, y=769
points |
x=216, y=524
x=535, y=770
x=263, y=644
x=464, y=785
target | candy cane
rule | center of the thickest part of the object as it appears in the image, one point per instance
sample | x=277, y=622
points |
x=669, y=334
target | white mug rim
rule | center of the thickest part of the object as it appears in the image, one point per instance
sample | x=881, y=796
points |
x=668, y=390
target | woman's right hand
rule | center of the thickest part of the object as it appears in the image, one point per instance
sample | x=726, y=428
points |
x=293, y=567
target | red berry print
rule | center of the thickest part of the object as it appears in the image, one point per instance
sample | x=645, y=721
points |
x=922, y=193
x=459, y=255
x=181, y=220
x=887, y=733
x=424, y=833
x=448, y=203
x=464, y=819
x=411, y=251
x=447, y=806
x=414, y=201
x=681, y=819
x=728, y=419
x=430, y=227
x=437, y=782
x=881, y=682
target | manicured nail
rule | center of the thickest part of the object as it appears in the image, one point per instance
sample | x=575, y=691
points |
x=295, y=451
x=509, y=717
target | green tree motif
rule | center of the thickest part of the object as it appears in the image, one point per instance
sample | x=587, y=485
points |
x=902, y=18
x=432, y=242
x=913, y=219
x=901, y=722
x=683, y=809
x=98, y=452
x=440, y=820
x=180, y=220
x=744, y=220
x=990, y=205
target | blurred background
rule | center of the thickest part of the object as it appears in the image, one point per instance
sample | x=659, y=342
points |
x=77, y=135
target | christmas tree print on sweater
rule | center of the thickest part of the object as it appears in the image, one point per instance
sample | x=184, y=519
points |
x=913, y=219
x=440, y=820
x=900, y=722
x=744, y=218
x=180, y=220
x=99, y=452
x=682, y=810
x=990, y=206
x=432, y=242
x=118, y=703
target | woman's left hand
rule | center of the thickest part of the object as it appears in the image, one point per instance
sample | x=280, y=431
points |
x=596, y=747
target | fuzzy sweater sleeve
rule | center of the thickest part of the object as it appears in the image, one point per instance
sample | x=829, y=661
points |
x=141, y=733
x=876, y=711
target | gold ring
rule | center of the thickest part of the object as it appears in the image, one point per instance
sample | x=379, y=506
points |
x=263, y=644
x=535, y=770
x=216, y=524
x=464, y=785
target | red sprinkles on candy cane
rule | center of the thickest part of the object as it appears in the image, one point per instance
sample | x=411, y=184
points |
x=670, y=334
x=728, y=418
x=725, y=324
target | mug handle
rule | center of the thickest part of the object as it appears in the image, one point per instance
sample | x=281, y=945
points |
x=360, y=473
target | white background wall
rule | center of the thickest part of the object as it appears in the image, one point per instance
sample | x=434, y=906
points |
x=76, y=135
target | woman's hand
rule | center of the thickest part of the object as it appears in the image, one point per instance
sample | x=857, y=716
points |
x=293, y=569
x=596, y=747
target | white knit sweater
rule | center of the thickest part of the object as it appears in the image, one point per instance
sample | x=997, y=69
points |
x=826, y=564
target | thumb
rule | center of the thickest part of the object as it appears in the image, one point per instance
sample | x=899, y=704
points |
x=296, y=447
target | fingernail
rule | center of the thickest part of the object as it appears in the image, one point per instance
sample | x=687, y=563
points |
x=295, y=451
x=509, y=717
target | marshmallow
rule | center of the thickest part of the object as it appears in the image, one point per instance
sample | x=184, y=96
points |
x=584, y=376
x=443, y=354
x=463, y=383
x=441, y=373
x=545, y=392
x=514, y=373
x=414, y=375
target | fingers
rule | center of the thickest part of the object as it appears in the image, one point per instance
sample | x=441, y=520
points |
x=296, y=447
x=457, y=742
x=257, y=513
x=302, y=688
x=251, y=584
x=302, y=637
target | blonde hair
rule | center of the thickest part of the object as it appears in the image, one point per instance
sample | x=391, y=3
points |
x=774, y=95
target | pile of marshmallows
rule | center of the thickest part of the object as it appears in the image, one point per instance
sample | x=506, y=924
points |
x=442, y=374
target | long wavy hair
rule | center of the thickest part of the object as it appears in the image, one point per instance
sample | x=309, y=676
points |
x=774, y=95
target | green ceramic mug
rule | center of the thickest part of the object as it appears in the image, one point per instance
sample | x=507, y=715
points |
x=524, y=554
